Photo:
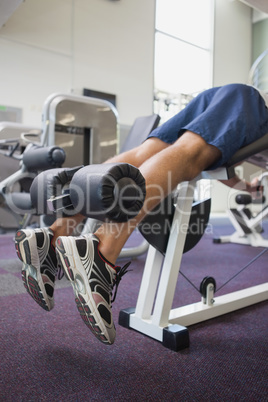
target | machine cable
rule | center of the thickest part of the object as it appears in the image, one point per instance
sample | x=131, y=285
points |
x=234, y=276
x=246, y=266
x=188, y=280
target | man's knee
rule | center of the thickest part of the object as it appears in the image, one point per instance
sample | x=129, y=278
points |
x=200, y=155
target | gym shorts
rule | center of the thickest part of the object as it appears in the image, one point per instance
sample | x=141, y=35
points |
x=228, y=117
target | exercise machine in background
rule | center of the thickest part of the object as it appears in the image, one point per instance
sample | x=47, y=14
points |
x=247, y=224
x=85, y=129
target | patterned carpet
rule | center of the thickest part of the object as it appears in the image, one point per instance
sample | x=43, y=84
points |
x=53, y=356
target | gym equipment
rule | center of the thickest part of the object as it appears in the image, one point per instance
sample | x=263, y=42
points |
x=32, y=161
x=10, y=136
x=85, y=129
x=248, y=227
x=138, y=133
x=88, y=112
x=108, y=192
x=153, y=314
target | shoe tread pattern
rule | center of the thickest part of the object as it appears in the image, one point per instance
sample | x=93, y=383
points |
x=88, y=312
x=29, y=273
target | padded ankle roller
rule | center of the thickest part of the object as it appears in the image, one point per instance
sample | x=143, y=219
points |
x=108, y=191
x=42, y=158
x=51, y=184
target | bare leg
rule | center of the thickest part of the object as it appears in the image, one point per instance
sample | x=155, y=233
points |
x=92, y=276
x=164, y=166
x=135, y=157
x=65, y=226
x=163, y=171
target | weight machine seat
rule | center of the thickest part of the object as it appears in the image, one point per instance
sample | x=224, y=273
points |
x=200, y=210
x=139, y=131
x=256, y=152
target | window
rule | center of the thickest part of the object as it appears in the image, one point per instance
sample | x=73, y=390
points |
x=183, y=52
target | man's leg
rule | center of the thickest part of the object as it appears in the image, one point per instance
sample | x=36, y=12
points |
x=135, y=157
x=163, y=166
x=36, y=247
x=89, y=261
x=181, y=161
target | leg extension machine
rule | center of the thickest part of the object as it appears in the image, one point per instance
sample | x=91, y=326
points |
x=153, y=314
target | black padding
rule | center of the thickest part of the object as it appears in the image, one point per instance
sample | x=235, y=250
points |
x=50, y=184
x=198, y=223
x=156, y=226
x=42, y=158
x=243, y=199
x=176, y=337
x=139, y=131
x=112, y=191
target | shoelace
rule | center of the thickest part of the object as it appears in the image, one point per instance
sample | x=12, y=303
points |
x=118, y=276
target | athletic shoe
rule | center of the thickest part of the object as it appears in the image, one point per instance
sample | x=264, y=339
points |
x=93, y=279
x=39, y=268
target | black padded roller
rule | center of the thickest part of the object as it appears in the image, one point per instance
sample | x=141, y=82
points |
x=113, y=191
x=50, y=185
x=243, y=199
x=42, y=158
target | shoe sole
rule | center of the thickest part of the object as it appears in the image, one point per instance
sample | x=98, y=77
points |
x=83, y=296
x=31, y=276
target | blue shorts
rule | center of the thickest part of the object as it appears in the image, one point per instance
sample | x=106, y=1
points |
x=228, y=117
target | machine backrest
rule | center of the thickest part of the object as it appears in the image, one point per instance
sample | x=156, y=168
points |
x=141, y=128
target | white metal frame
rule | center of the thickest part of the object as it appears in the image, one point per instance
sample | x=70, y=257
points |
x=153, y=314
